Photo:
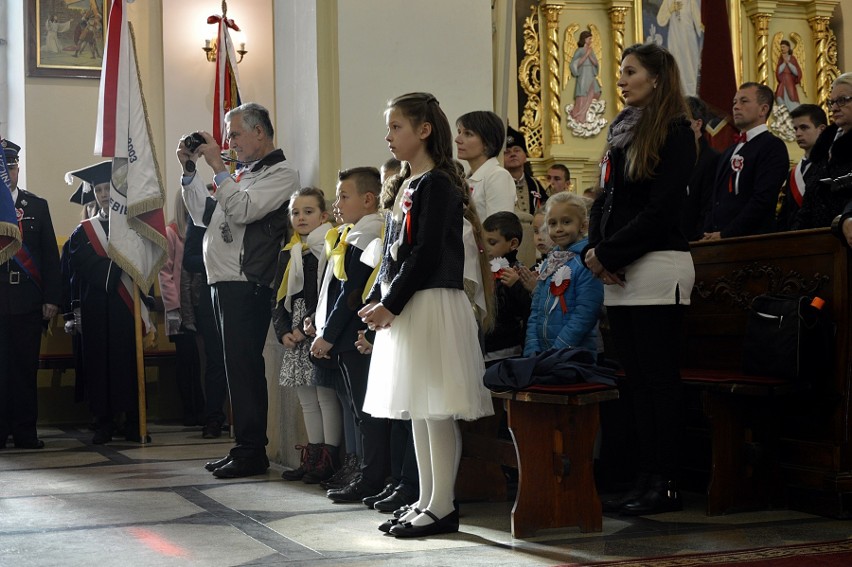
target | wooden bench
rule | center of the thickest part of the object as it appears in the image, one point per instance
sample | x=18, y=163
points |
x=745, y=418
x=554, y=430
x=773, y=442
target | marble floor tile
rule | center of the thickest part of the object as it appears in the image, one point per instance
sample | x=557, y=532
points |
x=76, y=504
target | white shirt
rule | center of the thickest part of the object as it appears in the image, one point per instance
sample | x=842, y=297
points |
x=492, y=189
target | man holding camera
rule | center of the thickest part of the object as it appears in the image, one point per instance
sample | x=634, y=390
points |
x=246, y=221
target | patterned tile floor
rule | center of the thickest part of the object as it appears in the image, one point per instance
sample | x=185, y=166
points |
x=76, y=504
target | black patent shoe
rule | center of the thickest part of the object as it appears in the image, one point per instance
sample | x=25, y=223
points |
x=370, y=501
x=663, y=496
x=103, y=434
x=30, y=444
x=240, y=467
x=213, y=465
x=447, y=525
x=397, y=499
x=617, y=503
x=395, y=521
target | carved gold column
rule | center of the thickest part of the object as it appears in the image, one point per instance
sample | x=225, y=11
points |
x=617, y=17
x=551, y=14
x=760, y=21
x=825, y=48
x=529, y=71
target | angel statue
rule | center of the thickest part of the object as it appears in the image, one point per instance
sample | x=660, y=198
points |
x=788, y=70
x=582, y=58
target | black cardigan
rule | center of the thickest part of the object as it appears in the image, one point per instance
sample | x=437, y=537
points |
x=634, y=217
x=434, y=255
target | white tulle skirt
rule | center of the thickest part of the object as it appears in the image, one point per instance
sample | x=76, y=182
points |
x=428, y=364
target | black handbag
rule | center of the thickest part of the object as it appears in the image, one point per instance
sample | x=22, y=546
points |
x=787, y=337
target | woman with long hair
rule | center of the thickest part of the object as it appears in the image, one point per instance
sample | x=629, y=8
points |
x=638, y=250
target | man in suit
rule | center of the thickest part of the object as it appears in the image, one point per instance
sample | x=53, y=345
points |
x=750, y=173
x=700, y=188
x=809, y=121
x=30, y=293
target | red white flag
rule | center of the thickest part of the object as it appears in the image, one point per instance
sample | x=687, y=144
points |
x=227, y=90
x=137, y=228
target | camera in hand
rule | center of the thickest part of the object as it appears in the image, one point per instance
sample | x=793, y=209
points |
x=192, y=141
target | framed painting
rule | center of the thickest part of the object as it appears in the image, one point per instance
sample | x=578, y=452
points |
x=676, y=25
x=65, y=38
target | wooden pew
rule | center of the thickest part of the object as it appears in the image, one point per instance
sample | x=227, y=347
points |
x=778, y=441
x=554, y=430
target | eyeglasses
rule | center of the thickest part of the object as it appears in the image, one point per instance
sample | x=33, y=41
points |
x=839, y=102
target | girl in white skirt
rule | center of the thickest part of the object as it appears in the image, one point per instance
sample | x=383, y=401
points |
x=427, y=362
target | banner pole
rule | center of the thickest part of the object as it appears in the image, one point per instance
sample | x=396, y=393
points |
x=140, y=366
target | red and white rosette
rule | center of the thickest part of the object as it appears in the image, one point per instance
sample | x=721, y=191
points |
x=499, y=266
x=737, y=164
x=559, y=284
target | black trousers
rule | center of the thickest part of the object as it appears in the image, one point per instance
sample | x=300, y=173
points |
x=189, y=377
x=243, y=315
x=20, y=340
x=215, y=381
x=375, y=431
x=647, y=342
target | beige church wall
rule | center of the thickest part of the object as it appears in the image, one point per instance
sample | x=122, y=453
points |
x=189, y=79
x=388, y=48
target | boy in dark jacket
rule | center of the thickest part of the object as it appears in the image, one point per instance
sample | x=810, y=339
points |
x=341, y=296
x=503, y=235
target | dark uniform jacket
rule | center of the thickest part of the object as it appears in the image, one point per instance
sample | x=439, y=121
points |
x=40, y=240
x=108, y=377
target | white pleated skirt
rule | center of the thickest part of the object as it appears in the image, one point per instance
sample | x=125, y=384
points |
x=428, y=364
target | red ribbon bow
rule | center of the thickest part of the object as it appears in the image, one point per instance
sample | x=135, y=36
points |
x=741, y=138
x=219, y=19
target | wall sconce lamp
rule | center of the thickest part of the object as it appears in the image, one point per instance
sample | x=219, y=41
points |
x=210, y=50
x=210, y=47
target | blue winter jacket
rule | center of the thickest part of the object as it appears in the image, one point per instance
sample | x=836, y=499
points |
x=548, y=326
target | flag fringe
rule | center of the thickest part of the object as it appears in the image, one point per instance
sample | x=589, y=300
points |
x=11, y=231
x=131, y=270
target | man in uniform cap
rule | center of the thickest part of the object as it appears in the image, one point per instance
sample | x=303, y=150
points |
x=30, y=292
x=530, y=192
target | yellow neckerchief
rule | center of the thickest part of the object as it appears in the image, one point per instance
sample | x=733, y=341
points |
x=335, y=251
x=282, y=289
x=375, y=273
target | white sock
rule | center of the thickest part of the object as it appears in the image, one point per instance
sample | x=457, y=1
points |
x=442, y=450
x=420, y=433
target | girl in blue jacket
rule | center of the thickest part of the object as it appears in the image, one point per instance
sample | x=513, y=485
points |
x=567, y=298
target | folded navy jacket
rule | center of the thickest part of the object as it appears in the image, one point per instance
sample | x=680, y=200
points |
x=561, y=366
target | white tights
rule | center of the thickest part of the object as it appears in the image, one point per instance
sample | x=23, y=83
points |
x=322, y=414
x=437, y=444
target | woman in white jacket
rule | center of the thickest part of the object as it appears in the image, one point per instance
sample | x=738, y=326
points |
x=481, y=135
